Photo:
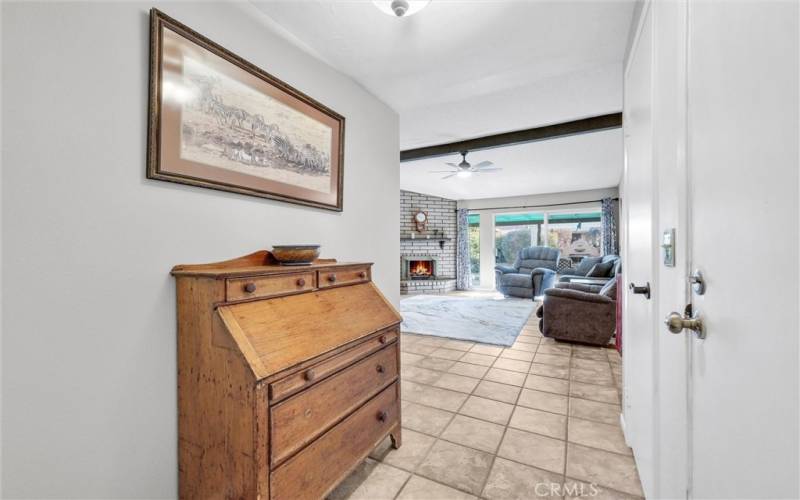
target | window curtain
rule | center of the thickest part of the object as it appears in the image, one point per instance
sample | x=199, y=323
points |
x=609, y=222
x=462, y=251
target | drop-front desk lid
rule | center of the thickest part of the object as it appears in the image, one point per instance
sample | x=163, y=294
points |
x=275, y=334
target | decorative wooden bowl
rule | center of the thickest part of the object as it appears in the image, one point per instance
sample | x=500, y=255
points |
x=295, y=255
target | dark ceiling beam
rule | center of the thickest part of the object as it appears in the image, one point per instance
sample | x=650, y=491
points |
x=582, y=126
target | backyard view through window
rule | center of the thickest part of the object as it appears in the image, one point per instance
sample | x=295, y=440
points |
x=513, y=232
x=475, y=249
x=575, y=234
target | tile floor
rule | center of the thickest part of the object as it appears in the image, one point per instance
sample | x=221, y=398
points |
x=537, y=420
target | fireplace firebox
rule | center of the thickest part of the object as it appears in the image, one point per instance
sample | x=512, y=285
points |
x=416, y=267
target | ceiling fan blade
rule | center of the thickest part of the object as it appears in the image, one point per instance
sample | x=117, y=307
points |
x=483, y=164
x=451, y=164
x=448, y=176
x=441, y=172
x=489, y=169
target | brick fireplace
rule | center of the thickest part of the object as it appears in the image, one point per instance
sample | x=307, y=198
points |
x=428, y=260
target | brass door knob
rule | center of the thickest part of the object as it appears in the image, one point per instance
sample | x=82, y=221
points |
x=301, y=282
x=250, y=287
x=677, y=323
x=309, y=375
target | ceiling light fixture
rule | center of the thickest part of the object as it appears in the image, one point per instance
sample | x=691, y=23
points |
x=400, y=8
x=464, y=174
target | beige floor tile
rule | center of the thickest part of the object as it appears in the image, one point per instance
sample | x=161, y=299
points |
x=540, y=422
x=593, y=410
x=596, y=354
x=474, y=433
x=418, y=348
x=432, y=396
x=590, y=364
x=419, y=488
x=455, y=382
x=425, y=419
x=532, y=449
x=518, y=355
x=549, y=370
x=505, y=377
x=512, y=481
x=523, y=346
x=547, y=384
x=419, y=374
x=551, y=359
x=447, y=354
x=608, y=469
x=490, y=350
x=579, y=490
x=547, y=401
x=593, y=376
x=456, y=466
x=604, y=436
x=601, y=393
x=432, y=341
x=371, y=481
x=458, y=345
x=512, y=365
x=436, y=363
x=415, y=447
x=487, y=409
x=409, y=358
x=561, y=350
x=468, y=370
x=498, y=392
x=527, y=339
x=478, y=359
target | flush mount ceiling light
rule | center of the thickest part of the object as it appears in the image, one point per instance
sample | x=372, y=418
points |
x=400, y=8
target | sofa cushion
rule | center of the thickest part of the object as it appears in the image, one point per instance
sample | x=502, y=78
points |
x=518, y=280
x=610, y=290
x=586, y=264
x=601, y=270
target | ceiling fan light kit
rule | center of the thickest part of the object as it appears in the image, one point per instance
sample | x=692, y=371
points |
x=400, y=8
x=465, y=169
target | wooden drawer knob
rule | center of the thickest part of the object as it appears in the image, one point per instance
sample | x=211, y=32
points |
x=382, y=339
x=362, y=274
x=380, y=369
x=382, y=416
x=309, y=375
x=250, y=287
x=332, y=278
x=301, y=282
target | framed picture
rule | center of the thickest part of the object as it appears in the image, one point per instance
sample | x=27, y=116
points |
x=220, y=122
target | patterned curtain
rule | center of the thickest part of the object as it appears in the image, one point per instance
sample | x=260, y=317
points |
x=462, y=251
x=609, y=221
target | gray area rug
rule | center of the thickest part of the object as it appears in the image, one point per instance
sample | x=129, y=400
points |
x=492, y=321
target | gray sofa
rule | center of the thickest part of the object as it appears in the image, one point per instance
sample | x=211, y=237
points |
x=579, y=313
x=586, y=265
x=533, y=271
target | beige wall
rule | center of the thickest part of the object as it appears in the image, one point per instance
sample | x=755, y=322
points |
x=88, y=360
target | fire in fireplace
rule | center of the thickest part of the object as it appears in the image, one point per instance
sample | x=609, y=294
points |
x=420, y=269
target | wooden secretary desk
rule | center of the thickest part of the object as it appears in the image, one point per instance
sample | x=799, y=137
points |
x=287, y=376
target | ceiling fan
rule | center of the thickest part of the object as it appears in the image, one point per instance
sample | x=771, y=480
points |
x=465, y=169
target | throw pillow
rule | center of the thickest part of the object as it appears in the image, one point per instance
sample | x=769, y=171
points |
x=610, y=290
x=586, y=265
x=601, y=270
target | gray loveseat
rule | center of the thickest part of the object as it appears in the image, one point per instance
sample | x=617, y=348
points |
x=586, y=265
x=533, y=272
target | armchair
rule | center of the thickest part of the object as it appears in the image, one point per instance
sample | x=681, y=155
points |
x=579, y=313
x=586, y=265
x=533, y=271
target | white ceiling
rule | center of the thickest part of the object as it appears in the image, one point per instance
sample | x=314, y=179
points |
x=574, y=163
x=461, y=69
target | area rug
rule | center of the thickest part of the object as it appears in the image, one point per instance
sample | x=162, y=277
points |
x=491, y=321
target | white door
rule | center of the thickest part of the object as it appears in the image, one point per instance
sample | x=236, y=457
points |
x=743, y=196
x=637, y=205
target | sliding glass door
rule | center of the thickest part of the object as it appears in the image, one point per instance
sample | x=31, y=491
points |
x=474, y=249
x=513, y=232
x=576, y=234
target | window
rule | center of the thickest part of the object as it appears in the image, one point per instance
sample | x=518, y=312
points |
x=475, y=248
x=575, y=234
x=513, y=232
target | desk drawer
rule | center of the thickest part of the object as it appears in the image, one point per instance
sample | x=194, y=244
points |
x=344, y=276
x=313, y=472
x=269, y=286
x=301, y=418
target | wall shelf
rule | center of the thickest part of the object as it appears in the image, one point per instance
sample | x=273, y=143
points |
x=440, y=238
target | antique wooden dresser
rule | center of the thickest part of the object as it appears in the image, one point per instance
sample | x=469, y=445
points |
x=287, y=376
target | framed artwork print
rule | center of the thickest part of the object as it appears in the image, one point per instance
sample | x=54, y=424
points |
x=220, y=122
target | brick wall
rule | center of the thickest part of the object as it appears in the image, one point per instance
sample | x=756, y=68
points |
x=441, y=216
